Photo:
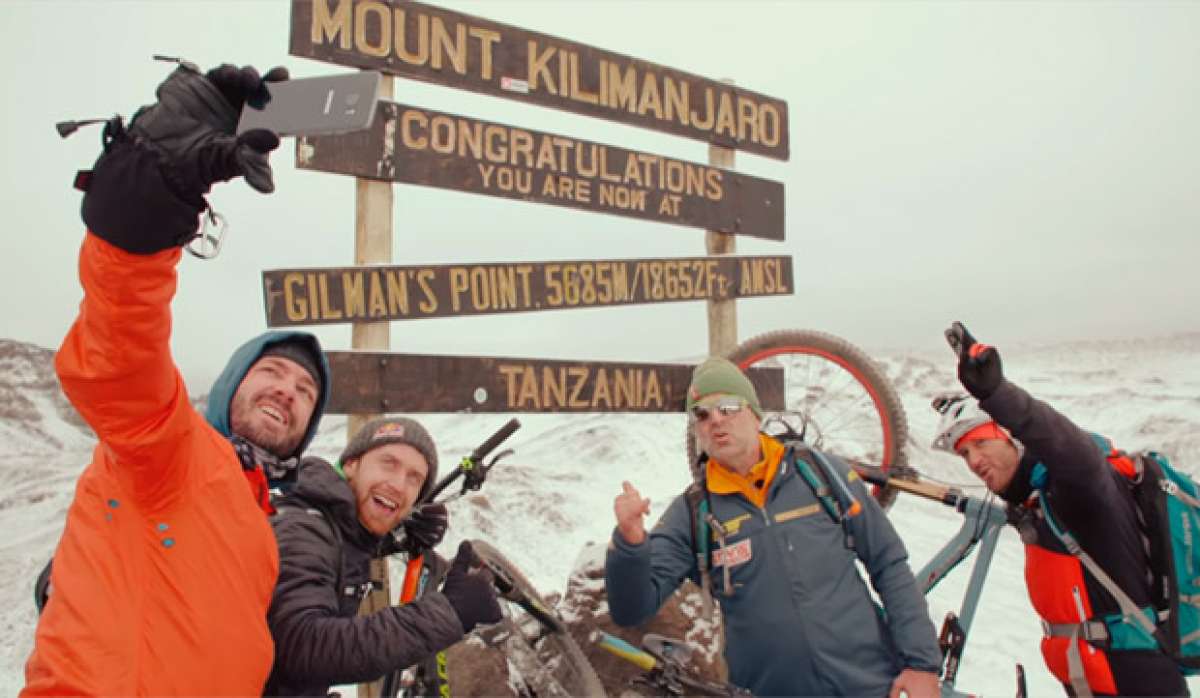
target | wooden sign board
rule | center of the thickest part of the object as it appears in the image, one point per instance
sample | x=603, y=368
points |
x=421, y=42
x=420, y=146
x=383, y=382
x=377, y=293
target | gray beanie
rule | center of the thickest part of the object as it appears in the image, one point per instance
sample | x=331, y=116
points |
x=394, y=430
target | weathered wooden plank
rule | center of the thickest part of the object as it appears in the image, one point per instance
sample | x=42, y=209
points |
x=431, y=44
x=378, y=293
x=384, y=382
x=421, y=146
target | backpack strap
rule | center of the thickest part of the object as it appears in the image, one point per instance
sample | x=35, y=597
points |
x=703, y=524
x=830, y=488
x=837, y=501
x=1129, y=611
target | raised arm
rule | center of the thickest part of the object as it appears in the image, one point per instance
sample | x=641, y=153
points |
x=638, y=578
x=315, y=644
x=115, y=363
x=142, y=201
x=1068, y=453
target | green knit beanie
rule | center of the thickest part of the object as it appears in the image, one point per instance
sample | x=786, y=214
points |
x=717, y=375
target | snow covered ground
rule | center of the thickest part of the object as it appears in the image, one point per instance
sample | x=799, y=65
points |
x=544, y=504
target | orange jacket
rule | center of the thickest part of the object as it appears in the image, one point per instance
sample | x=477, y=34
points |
x=165, y=569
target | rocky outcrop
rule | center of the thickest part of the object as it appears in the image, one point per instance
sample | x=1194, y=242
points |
x=475, y=668
x=32, y=405
x=585, y=609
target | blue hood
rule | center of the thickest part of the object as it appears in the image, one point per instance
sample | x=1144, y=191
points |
x=231, y=377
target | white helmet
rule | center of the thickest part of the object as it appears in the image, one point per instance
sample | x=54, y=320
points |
x=960, y=414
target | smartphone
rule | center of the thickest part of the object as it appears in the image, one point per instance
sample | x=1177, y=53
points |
x=315, y=106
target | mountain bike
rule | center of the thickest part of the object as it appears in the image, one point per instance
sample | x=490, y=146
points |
x=531, y=636
x=662, y=661
x=836, y=398
x=983, y=520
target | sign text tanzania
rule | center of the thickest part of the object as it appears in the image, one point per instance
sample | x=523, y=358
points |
x=427, y=43
x=382, y=382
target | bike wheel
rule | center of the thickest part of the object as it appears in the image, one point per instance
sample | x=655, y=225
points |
x=547, y=658
x=835, y=397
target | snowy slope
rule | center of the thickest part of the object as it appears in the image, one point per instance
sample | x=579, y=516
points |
x=554, y=496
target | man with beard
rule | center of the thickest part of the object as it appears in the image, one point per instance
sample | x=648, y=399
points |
x=329, y=527
x=164, y=572
x=798, y=618
x=1039, y=461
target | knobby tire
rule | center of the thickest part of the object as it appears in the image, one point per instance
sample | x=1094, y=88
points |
x=549, y=662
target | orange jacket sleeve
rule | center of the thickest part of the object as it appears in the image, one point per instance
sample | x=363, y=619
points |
x=115, y=366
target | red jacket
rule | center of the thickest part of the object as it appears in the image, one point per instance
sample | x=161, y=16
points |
x=1091, y=500
x=165, y=569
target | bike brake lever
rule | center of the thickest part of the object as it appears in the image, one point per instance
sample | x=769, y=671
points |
x=474, y=478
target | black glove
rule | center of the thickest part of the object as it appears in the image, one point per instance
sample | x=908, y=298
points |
x=146, y=191
x=979, y=367
x=471, y=592
x=425, y=527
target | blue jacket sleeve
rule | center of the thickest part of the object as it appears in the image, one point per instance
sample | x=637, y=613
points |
x=883, y=554
x=639, y=578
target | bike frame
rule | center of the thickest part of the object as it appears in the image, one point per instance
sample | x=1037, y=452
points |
x=982, y=523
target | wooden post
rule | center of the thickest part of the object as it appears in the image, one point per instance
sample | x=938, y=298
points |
x=373, y=216
x=722, y=314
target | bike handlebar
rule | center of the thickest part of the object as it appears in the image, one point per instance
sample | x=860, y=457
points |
x=472, y=462
x=949, y=496
x=495, y=439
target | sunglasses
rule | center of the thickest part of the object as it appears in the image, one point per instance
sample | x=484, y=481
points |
x=727, y=406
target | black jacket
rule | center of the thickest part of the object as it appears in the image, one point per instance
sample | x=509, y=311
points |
x=1094, y=503
x=319, y=639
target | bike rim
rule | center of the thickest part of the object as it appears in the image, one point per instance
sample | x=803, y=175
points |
x=878, y=409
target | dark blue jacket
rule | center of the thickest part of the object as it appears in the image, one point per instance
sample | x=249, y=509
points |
x=800, y=621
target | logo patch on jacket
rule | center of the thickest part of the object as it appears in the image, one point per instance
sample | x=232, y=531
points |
x=732, y=555
x=734, y=525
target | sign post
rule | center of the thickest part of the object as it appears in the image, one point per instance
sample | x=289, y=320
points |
x=373, y=234
x=722, y=313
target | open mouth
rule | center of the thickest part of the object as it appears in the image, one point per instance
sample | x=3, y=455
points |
x=273, y=413
x=384, y=502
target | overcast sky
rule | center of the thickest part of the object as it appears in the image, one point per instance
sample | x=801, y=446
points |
x=1032, y=169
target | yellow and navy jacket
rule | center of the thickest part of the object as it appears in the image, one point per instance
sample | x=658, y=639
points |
x=799, y=620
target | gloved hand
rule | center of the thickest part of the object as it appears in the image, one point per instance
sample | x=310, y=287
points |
x=146, y=191
x=425, y=527
x=471, y=592
x=979, y=368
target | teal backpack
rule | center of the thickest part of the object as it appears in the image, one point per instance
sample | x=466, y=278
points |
x=1168, y=504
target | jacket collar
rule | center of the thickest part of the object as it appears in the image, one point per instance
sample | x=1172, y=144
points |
x=319, y=484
